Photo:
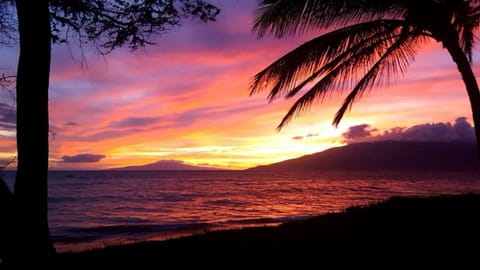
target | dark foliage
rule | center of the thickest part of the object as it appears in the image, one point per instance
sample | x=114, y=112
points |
x=114, y=23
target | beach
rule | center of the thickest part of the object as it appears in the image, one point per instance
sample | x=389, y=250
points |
x=399, y=232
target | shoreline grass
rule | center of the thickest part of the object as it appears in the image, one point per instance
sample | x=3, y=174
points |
x=399, y=231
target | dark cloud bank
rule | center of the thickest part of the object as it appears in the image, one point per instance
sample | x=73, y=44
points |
x=309, y=135
x=460, y=131
x=83, y=158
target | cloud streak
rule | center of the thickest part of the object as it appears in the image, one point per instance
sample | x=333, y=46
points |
x=135, y=122
x=8, y=116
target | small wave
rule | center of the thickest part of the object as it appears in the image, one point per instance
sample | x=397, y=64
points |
x=226, y=202
x=63, y=199
x=140, y=231
x=176, y=198
x=126, y=231
x=255, y=221
x=264, y=221
x=126, y=220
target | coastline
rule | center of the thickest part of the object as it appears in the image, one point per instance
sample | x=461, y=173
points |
x=75, y=246
x=399, y=230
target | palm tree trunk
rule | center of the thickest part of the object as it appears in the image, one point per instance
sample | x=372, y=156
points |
x=464, y=67
x=33, y=71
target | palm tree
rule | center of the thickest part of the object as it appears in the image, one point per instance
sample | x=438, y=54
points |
x=365, y=44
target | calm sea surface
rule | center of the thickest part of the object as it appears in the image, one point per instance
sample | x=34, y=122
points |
x=98, y=208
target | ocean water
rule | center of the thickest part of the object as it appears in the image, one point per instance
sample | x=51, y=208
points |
x=92, y=209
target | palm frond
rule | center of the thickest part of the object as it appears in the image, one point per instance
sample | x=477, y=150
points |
x=315, y=58
x=351, y=59
x=289, y=17
x=377, y=70
x=347, y=66
x=466, y=23
x=393, y=62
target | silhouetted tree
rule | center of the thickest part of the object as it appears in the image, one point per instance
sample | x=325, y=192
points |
x=368, y=43
x=107, y=24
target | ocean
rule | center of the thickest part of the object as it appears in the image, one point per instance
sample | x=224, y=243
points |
x=93, y=209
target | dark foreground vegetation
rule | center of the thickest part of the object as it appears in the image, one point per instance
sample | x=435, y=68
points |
x=399, y=232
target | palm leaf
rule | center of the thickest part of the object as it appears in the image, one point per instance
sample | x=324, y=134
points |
x=290, y=17
x=466, y=23
x=318, y=56
x=394, y=62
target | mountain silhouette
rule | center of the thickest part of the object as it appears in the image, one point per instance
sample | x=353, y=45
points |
x=165, y=165
x=386, y=155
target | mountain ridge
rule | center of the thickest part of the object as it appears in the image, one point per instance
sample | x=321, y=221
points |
x=385, y=155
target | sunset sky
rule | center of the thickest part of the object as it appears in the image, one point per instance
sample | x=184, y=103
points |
x=187, y=98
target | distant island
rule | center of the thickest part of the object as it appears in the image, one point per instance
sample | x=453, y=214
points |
x=386, y=155
x=165, y=165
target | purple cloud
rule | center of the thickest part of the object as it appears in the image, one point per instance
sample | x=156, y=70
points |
x=358, y=132
x=8, y=116
x=6, y=162
x=460, y=131
x=83, y=158
x=135, y=122
x=463, y=130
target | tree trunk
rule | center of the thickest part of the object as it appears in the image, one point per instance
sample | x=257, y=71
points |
x=464, y=67
x=7, y=225
x=32, y=131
